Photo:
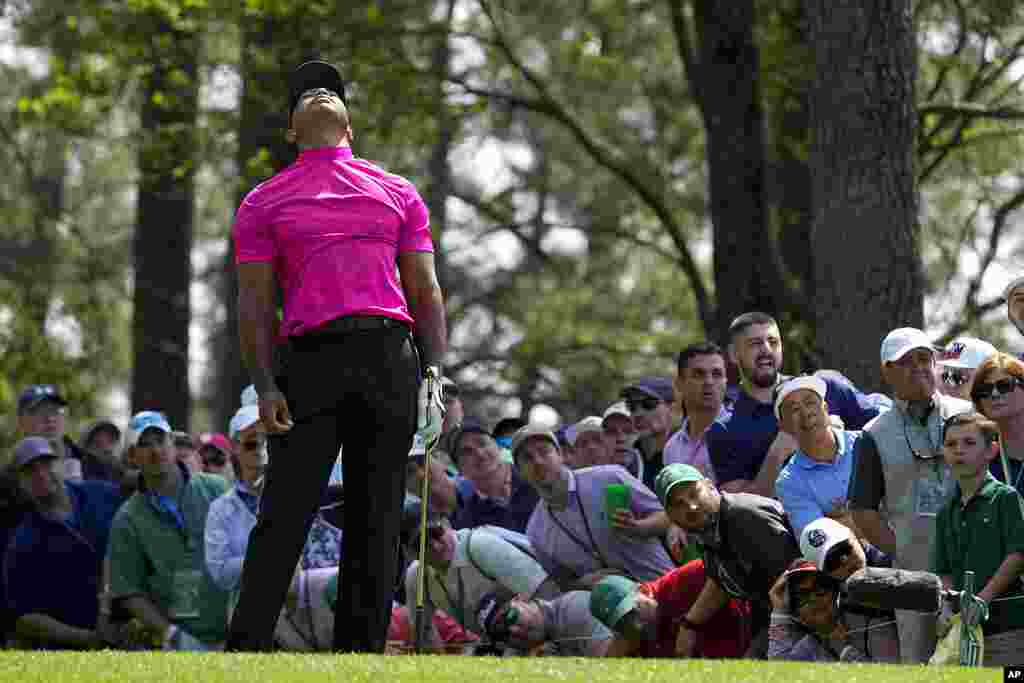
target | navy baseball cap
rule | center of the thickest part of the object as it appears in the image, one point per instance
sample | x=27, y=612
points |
x=470, y=425
x=314, y=74
x=653, y=386
x=31, y=449
x=36, y=394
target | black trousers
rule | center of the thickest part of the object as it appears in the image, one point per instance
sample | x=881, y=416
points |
x=356, y=390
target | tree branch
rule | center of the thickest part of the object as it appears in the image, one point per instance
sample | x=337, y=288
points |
x=606, y=157
x=971, y=111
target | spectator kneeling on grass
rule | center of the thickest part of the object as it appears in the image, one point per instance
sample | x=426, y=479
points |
x=833, y=549
x=562, y=627
x=647, y=618
x=157, y=552
x=464, y=566
x=747, y=543
x=54, y=561
x=805, y=621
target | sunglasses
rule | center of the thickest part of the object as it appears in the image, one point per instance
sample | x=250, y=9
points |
x=1003, y=387
x=955, y=378
x=644, y=405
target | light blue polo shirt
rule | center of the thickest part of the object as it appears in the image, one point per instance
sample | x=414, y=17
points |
x=809, y=489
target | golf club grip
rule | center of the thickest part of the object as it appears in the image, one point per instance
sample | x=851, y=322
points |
x=882, y=588
x=421, y=580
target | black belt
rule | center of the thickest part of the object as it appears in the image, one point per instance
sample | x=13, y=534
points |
x=353, y=323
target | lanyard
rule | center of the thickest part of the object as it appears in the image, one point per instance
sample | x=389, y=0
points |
x=594, y=549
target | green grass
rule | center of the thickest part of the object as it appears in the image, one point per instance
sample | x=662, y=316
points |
x=45, y=667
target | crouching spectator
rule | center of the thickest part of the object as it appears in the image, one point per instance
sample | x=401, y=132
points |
x=467, y=565
x=307, y=621
x=157, y=555
x=561, y=627
x=747, y=542
x=805, y=621
x=833, y=549
x=53, y=565
x=576, y=535
x=647, y=617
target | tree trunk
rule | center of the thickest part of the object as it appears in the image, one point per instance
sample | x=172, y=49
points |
x=272, y=44
x=163, y=235
x=729, y=88
x=865, y=233
x=439, y=187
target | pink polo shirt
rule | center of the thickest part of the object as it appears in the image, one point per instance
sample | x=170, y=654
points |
x=333, y=227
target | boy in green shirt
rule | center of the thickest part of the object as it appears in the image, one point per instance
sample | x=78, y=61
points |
x=981, y=529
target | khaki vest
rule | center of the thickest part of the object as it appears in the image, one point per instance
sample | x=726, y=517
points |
x=913, y=487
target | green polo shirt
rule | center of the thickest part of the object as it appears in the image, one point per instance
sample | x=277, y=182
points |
x=978, y=538
x=152, y=555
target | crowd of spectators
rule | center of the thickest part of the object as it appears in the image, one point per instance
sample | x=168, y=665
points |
x=691, y=518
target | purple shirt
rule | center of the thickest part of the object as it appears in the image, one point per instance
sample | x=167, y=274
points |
x=588, y=543
x=333, y=227
x=681, y=448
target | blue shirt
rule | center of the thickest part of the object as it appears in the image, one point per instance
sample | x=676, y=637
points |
x=738, y=444
x=809, y=489
x=53, y=567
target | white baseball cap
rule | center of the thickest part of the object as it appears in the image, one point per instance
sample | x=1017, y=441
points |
x=618, y=408
x=249, y=396
x=247, y=416
x=901, y=341
x=819, y=537
x=1014, y=284
x=966, y=352
x=588, y=424
x=812, y=382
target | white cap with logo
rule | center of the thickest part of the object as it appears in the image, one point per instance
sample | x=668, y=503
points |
x=819, y=537
x=902, y=341
x=967, y=353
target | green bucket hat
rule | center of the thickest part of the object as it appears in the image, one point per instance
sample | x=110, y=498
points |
x=613, y=598
x=673, y=475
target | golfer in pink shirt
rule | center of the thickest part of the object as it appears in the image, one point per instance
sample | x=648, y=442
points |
x=349, y=247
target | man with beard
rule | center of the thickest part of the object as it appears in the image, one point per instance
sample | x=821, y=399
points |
x=748, y=543
x=747, y=449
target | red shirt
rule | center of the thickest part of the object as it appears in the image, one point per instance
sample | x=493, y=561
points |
x=726, y=635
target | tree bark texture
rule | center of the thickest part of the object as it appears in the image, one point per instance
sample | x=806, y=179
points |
x=744, y=261
x=865, y=233
x=163, y=235
x=272, y=45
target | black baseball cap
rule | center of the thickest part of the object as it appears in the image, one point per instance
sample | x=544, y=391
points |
x=36, y=394
x=314, y=74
